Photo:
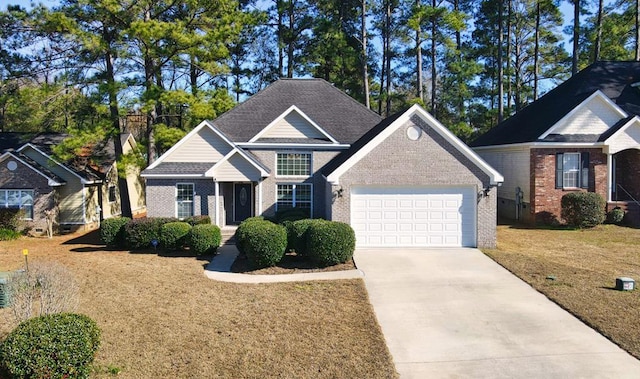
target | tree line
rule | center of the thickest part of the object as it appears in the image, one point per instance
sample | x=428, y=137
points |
x=93, y=68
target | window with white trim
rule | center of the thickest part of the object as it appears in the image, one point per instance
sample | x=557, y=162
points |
x=294, y=196
x=293, y=164
x=572, y=170
x=18, y=198
x=184, y=200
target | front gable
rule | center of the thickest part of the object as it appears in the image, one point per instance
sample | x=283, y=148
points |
x=12, y=165
x=627, y=137
x=594, y=116
x=293, y=124
x=203, y=144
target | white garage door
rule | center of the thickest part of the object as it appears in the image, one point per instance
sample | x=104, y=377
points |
x=437, y=217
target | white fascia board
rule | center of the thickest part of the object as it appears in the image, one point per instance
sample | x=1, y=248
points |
x=583, y=104
x=50, y=181
x=82, y=181
x=195, y=130
x=285, y=114
x=276, y=146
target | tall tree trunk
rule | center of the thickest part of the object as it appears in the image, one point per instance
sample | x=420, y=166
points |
x=500, y=69
x=637, y=30
x=576, y=34
x=149, y=70
x=419, y=76
x=291, y=41
x=365, y=69
x=193, y=75
x=383, y=66
x=508, y=55
x=598, y=41
x=280, y=10
x=434, y=71
x=388, y=63
x=123, y=187
x=536, y=52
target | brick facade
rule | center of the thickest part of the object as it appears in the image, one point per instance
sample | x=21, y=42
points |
x=545, y=197
x=429, y=161
x=161, y=197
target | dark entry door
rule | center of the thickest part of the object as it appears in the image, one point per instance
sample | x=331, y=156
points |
x=242, y=202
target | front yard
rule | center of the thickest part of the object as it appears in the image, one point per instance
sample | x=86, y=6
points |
x=577, y=269
x=161, y=317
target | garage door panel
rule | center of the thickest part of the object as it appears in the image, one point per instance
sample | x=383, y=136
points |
x=414, y=216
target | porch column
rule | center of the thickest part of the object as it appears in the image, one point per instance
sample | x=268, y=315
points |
x=609, y=176
x=217, y=191
x=259, y=198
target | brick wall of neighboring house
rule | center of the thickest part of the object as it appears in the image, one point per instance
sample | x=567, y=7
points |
x=545, y=197
x=429, y=161
x=23, y=177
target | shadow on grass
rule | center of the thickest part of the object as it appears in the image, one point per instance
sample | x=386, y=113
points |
x=91, y=238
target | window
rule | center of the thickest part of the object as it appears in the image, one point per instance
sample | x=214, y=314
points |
x=22, y=199
x=293, y=164
x=112, y=194
x=294, y=196
x=184, y=200
x=572, y=170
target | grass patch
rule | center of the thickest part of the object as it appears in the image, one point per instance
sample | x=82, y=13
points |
x=577, y=269
x=161, y=317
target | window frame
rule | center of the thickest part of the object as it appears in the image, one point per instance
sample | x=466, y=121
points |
x=111, y=199
x=582, y=171
x=4, y=201
x=282, y=175
x=294, y=200
x=178, y=202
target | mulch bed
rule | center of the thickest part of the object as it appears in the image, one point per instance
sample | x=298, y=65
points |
x=291, y=263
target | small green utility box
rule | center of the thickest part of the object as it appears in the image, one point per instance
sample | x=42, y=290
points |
x=4, y=289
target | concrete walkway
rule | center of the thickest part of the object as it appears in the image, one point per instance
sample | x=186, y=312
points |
x=220, y=269
x=455, y=313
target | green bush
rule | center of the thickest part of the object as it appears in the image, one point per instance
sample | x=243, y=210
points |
x=204, y=239
x=141, y=231
x=197, y=220
x=112, y=231
x=291, y=214
x=240, y=232
x=615, y=216
x=583, y=209
x=8, y=234
x=330, y=242
x=173, y=235
x=60, y=345
x=10, y=219
x=296, y=234
x=264, y=243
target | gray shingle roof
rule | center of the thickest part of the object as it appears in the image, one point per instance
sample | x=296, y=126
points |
x=342, y=117
x=44, y=170
x=614, y=79
x=179, y=168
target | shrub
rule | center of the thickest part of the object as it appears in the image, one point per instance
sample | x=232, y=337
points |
x=583, y=209
x=330, y=242
x=8, y=234
x=112, y=231
x=240, y=232
x=173, y=235
x=141, y=231
x=198, y=220
x=264, y=243
x=10, y=219
x=51, y=346
x=296, y=234
x=204, y=239
x=291, y=214
x=615, y=216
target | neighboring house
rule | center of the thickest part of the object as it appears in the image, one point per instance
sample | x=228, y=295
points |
x=584, y=135
x=301, y=143
x=81, y=192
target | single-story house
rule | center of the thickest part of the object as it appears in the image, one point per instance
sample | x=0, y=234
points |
x=583, y=135
x=301, y=143
x=81, y=192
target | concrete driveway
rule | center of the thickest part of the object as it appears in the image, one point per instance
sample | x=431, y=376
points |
x=455, y=313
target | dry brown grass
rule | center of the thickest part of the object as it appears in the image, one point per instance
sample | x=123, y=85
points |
x=162, y=318
x=585, y=264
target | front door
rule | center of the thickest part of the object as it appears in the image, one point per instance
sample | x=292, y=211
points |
x=242, y=201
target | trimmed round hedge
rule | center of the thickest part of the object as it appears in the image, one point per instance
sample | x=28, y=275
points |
x=112, y=231
x=173, y=235
x=204, y=239
x=141, y=231
x=51, y=346
x=330, y=242
x=263, y=242
x=240, y=234
x=615, y=216
x=583, y=209
x=296, y=234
